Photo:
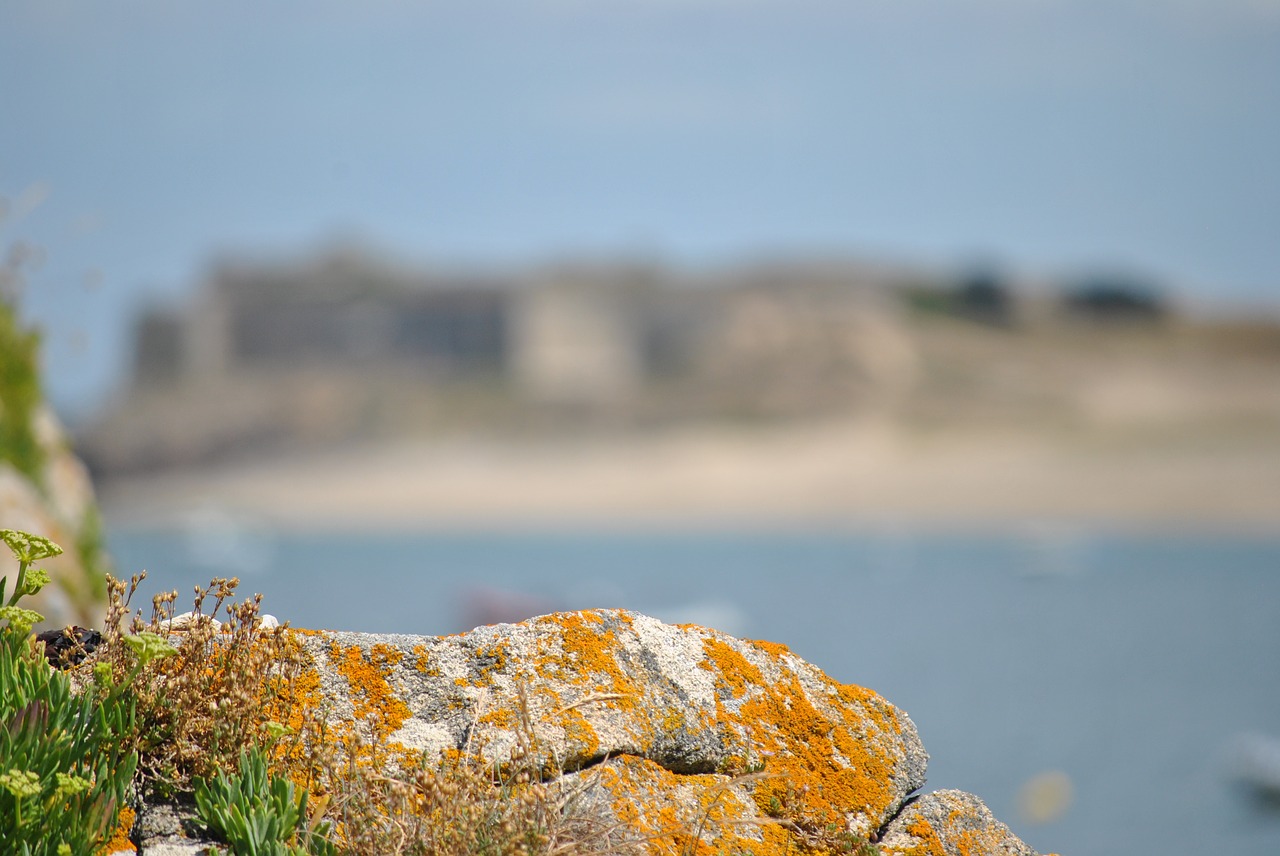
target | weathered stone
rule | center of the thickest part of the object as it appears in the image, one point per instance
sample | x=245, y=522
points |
x=158, y=820
x=678, y=739
x=167, y=830
x=182, y=848
x=660, y=721
x=950, y=823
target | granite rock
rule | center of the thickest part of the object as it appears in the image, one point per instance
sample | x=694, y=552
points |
x=638, y=716
x=950, y=823
x=669, y=733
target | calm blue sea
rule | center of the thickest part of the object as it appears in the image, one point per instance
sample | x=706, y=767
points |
x=1128, y=663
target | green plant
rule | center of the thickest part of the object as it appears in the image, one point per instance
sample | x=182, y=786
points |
x=259, y=814
x=27, y=549
x=19, y=394
x=65, y=762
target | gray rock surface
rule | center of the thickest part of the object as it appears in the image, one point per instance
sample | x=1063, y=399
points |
x=651, y=710
x=658, y=729
x=166, y=830
x=950, y=822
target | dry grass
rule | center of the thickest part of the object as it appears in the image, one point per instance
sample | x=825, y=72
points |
x=464, y=805
x=197, y=710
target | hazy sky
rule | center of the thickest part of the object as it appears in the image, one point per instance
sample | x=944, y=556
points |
x=138, y=139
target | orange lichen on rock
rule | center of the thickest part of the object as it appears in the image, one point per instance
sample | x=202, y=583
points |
x=492, y=659
x=826, y=770
x=583, y=651
x=500, y=717
x=773, y=649
x=872, y=703
x=731, y=668
x=295, y=697
x=579, y=734
x=420, y=662
x=737, y=746
x=119, y=841
x=588, y=654
x=929, y=842
x=950, y=823
x=371, y=694
x=691, y=815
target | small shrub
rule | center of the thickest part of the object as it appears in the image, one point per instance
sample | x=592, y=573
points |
x=200, y=709
x=65, y=762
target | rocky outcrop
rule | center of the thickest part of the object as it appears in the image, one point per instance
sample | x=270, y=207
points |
x=667, y=712
x=55, y=499
x=673, y=731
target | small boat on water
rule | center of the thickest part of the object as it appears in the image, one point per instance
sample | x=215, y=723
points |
x=1255, y=764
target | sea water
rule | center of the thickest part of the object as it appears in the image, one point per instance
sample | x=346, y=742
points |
x=1126, y=666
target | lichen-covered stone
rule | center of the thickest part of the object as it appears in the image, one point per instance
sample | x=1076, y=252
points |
x=675, y=727
x=950, y=823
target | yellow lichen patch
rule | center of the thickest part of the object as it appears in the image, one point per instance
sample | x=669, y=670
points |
x=972, y=842
x=500, y=717
x=294, y=699
x=924, y=832
x=579, y=735
x=690, y=815
x=587, y=656
x=587, y=651
x=420, y=663
x=296, y=702
x=731, y=668
x=672, y=720
x=371, y=694
x=119, y=841
x=872, y=704
x=773, y=649
x=823, y=770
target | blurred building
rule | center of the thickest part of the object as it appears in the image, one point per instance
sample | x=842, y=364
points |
x=346, y=346
x=568, y=333
x=339, y=312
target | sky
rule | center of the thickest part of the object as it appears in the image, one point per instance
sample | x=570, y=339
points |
x=141, y=140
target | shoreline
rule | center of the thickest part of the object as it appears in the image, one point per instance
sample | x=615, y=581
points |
x=830, y=476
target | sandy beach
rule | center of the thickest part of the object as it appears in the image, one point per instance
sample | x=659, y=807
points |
x=830, y=474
